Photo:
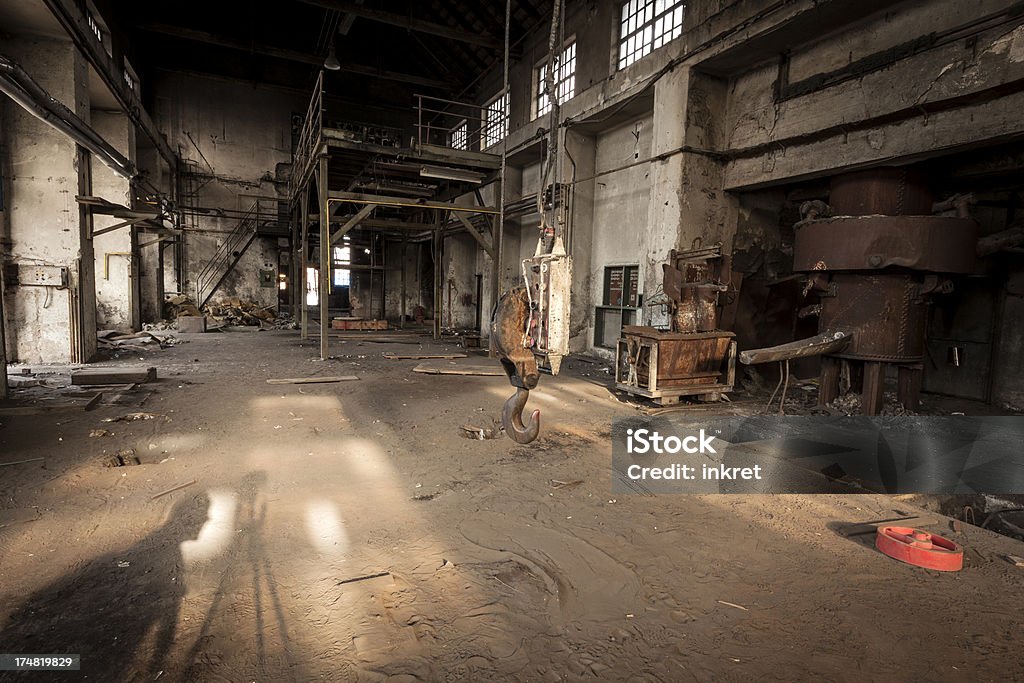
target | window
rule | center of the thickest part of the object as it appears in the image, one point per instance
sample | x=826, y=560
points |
x=621, y=300
x=620, y=286
x=342, y=276
x=312, y=286
x=131, y=78
x=94, y=26
x=460, y=136
x=495, y=121
x=646, y=26
x=565, y=80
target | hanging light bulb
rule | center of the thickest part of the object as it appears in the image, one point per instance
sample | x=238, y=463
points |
x=332, y=63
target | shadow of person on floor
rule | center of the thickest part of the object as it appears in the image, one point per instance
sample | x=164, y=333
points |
x=247, y=579
x=118, y=611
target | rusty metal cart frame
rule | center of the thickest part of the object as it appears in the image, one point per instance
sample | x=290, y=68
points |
x=632, y=384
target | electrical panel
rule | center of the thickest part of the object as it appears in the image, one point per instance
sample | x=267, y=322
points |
x=27, y=275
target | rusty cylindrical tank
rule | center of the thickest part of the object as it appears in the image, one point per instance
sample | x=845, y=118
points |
x=875, y=253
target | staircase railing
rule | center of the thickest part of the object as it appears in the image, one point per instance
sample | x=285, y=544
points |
x=227, y=255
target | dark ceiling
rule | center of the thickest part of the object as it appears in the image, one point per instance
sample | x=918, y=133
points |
x=438, y=47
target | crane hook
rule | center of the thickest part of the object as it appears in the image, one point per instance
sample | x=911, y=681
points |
x=512, y=418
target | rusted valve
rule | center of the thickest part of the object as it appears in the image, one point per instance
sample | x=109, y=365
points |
x=512, y=342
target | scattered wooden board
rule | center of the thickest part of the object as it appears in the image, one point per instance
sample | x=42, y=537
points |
x=112, y=376
x=21, y=462
x=313, y=380
x=42, y=408
x=381, y=340
x=17, y=516
x=423, y=356
x=453, y=369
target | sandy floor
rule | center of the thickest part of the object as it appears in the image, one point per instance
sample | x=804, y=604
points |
x=480, y=568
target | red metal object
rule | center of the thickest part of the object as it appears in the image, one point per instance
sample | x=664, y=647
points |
x=920, y=548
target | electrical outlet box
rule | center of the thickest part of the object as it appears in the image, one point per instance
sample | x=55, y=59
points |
x=38, y=276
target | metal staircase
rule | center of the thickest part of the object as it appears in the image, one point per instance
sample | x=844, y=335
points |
x=228, y=254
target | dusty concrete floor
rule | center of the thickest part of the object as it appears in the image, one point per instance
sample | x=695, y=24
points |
x=257, y=571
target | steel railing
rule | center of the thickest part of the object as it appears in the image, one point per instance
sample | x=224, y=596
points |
x=232, y=248
x=309, y=137
x=456, y=125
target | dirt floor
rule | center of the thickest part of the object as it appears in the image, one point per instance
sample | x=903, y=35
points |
x=349, y=532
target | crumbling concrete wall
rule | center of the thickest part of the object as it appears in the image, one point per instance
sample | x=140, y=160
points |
x=458, y=284
x=115, y=259
x=620, y=210
x=868, y=95
x=419, y=284
x=237, y=139
x=44, y=222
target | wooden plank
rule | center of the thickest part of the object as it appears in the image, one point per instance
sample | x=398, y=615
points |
x=21, y=462
x=423, y=356
x=87, y=376
x=18, y=516
x=42, y=408
x=826, y=342
x=362, y=336
x=453, y=369
x=313, y=380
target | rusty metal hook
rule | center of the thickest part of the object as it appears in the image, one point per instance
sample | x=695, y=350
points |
x=512, y=418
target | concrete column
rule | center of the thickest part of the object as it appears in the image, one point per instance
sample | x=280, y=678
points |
x=582, y=149
x=510, y=273
x=45, y=225
x=687, y=203
x=150, y=278
x=117, y=304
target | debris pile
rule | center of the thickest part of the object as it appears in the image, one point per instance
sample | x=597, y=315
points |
x=849, y=404
x=230, y=311
x=180, y=304
x=235, y=311
x=114, y=341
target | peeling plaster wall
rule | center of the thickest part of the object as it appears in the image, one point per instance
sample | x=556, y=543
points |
x=620, y=212
x=458, y=284
x=419, y=282
x=239, y=138
x=918, y=104
x=114, y=261
x=43, y=220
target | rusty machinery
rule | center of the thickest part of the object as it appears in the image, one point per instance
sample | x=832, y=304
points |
x=530, y=330
x=530, y=325
x=693, y=357
x=875, y=263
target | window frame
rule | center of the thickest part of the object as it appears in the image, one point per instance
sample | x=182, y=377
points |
x=638, y=38
x=487, y=138
x=341, y=276
x=628, y=307
x=463, y=128
x=542, y=109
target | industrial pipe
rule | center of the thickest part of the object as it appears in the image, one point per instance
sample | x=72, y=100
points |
x=19, y=86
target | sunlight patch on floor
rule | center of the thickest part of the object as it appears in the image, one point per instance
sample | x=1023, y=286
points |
x=217, y=533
